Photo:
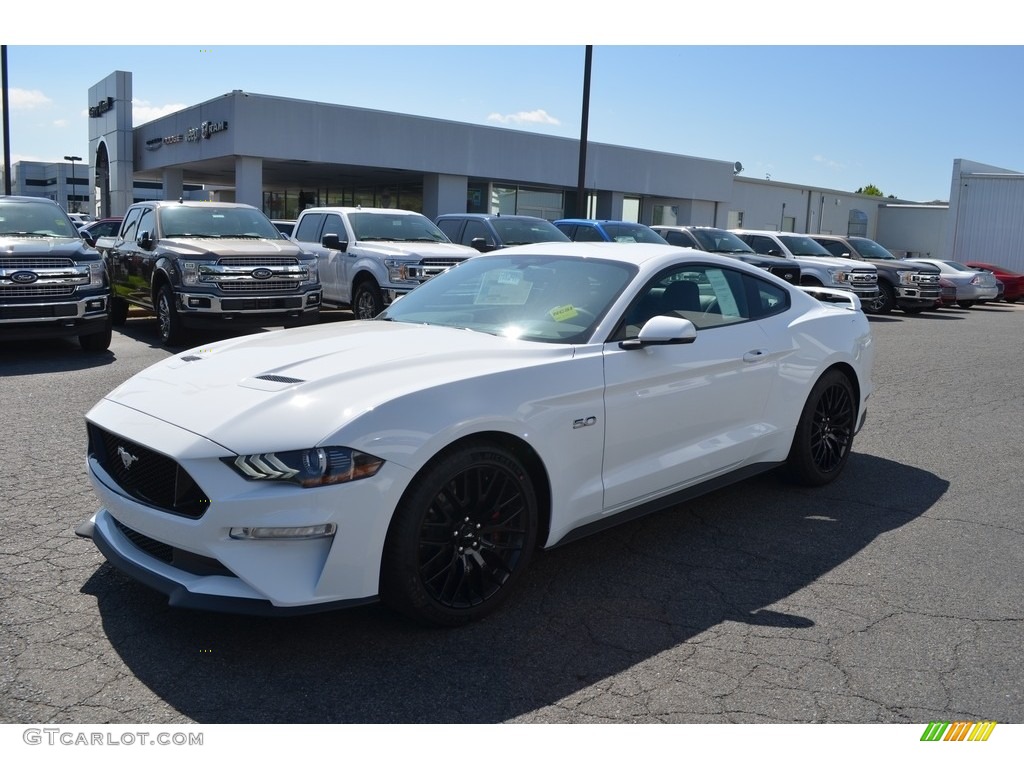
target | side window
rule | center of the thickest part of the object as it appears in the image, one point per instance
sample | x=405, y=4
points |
x=675, y=237
x=475, y=229
x=764, y=299
x=707, y=296
x=568, y=230
x=333, y=225
x=585, y=234
x=147, y=223
x=761, y=244
x=131, y=222
x=308, y=228
x=450, y=227
x=833, y=246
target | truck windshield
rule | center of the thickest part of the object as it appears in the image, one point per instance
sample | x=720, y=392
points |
x=395, y=227
x=869, y=249
x=214, y=221
x=31, y=219
x=802, y=245
x=720, y=241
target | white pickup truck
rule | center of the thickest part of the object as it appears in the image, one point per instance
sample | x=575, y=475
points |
x=369, y=257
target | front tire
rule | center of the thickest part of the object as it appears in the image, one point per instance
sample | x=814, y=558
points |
x=884, y=302
x=367, y=301
x=171, y=331
x=118, y=311
x=98, y=341
x=461, y=537
x=824, y=434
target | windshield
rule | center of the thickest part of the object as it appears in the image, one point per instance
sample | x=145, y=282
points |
x=555, y=299
x=869, y=249
x=214, y=221
x=625, y=232
x=395, y=227
x=523, y=231
x=802, y=245
x=720, y=241
x=31, y=219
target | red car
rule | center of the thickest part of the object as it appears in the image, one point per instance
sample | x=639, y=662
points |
x=1013, y=282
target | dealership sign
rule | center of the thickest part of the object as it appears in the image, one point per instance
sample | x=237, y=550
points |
x=203, y=131
x=102, y=107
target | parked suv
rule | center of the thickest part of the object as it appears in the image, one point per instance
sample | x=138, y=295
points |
x=52, y=282
x=488, y=232
x=715, y=240
x=817, y=266
x=912, y=286
x=603, y=230
x=203, y=264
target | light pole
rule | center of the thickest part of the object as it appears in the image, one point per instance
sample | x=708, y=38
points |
x=72, y=159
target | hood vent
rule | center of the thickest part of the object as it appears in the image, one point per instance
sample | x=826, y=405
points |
x=280, y=379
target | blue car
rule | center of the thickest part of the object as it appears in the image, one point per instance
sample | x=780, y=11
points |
x=594, y=230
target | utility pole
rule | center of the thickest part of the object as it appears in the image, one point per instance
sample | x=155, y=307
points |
x=581, y=197
x=7, y=122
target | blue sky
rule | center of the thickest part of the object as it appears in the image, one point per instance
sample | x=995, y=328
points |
x=837, y=116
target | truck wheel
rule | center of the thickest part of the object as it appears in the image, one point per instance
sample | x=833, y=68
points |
x=118, y=311
x=98, y=341
x=883, y=304
x=367, y=302
x=168, y=318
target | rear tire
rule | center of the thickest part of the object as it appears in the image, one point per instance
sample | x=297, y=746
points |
x=824, y=434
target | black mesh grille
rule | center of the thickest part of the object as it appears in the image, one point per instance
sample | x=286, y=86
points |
x=239, y=305
x=146, y=475
x=179, y=558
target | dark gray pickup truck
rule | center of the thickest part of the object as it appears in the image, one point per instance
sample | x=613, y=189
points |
x=912, y=286
x=203, y=264
x=52, y=282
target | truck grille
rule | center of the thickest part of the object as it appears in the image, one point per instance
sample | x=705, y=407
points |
x=34, y=262
x=862, y=278
x=259, y=286
x=925, y=279
x=257, y=261
x=37, y=312
x=28, y=291
x=146, y=475
x=789, y=274
x=254, y=304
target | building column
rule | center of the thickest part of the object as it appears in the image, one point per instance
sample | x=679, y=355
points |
x=174, y=185
x=609, y=205
x=444, y=194
x=249, y=181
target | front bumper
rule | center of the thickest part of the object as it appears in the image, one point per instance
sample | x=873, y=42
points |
x=51, y=319
x=195, y=561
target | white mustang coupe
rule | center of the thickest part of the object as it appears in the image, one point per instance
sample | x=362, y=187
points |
x=522, y=399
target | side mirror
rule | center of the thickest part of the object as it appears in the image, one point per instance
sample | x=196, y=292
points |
x=662, y=329
x=87, y=236
x=334, y=242
x=480, y=244
x=145, y=240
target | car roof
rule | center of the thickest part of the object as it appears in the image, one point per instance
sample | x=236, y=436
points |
x=490, y=216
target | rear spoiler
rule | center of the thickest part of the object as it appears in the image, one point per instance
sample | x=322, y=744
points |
x=847, y=299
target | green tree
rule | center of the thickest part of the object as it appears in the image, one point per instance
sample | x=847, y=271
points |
x=870, y=189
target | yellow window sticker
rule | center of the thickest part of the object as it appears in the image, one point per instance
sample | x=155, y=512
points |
x=563, y=313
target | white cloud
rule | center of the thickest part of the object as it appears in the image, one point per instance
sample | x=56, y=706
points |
x=143, y=111
x=834, y=164
x=19, y=98
x=60, y=123
x=518, y=118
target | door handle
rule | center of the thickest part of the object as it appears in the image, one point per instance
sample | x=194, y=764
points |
x=754, y=355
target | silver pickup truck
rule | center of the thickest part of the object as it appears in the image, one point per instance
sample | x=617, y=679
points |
x=370, y=256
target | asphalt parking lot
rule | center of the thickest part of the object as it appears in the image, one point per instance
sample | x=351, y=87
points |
x=891, y=596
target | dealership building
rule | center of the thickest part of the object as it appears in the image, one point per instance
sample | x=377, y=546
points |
x=283, y=155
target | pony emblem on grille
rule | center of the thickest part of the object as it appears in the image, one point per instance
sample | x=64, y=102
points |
x=126, y=458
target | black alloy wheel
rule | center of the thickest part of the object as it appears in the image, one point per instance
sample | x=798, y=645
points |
x=461, y=537
x=824, y=435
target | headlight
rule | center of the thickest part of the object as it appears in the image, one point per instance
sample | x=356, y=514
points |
x=97, y=274
x=838, y=275
x=190, y=273
x=313, y=272
x=906, y=277
x=309, y=468
x=398, y=270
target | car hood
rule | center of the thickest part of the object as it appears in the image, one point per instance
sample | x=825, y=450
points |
x=216, y=247
x=302, y=385
x=836, y=261
x=66, y=247
x=416, y=250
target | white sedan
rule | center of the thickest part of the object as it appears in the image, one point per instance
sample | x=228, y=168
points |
x=522, y=399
